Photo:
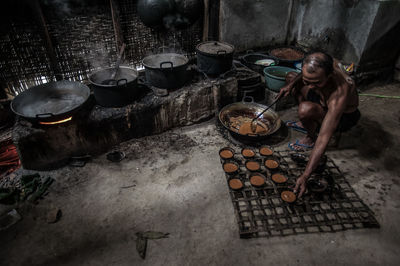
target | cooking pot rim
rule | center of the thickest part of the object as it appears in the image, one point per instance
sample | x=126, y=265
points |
x=215, y=55
x=107, y=68
x=299, y=49
x=289, y=69
x=55, y=116
x=147, y=66
x=265, y=56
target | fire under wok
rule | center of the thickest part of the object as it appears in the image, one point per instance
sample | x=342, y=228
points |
x=237, y=117
x=51, y=101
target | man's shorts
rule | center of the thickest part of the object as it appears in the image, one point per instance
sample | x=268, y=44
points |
x=347, y=121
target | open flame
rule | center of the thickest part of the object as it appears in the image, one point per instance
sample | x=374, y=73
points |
x=56, y=122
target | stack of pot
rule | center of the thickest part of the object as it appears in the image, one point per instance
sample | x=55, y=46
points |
x=251, y=86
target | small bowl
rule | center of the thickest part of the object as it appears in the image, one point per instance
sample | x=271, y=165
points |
x=253, y=165
x=265, y=151
x=271, y=164
x=235, y=183
x=317, y=185
x=226, y=153
x=288, y=196
x=257, y=179
x=230, y=167
x=279, y=178
x=248, y=153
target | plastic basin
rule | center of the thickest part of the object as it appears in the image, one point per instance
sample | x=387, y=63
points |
x=298, y=65
x=275, y=76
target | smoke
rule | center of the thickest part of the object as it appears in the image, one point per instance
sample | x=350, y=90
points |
x=168, y=43
x=61, y=7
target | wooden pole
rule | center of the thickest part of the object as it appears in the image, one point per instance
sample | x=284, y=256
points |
x=206, y=19
x=214, y=20
x=119, y=38
x=35, y=5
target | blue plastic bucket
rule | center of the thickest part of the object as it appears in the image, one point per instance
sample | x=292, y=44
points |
x=298, y=65
x=275, y=76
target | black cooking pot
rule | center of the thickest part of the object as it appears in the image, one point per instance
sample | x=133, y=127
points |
x=117, y=92
x=51, y=101
x=214, y=58
x=258, y=61
x=151, y=12
x=167, y=71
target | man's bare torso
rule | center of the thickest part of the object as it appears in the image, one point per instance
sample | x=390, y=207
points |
x=339, y=85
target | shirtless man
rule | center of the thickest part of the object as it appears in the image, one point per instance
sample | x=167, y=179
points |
x=328, y=102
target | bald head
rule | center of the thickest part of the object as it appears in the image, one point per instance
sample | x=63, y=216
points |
x=315, y=61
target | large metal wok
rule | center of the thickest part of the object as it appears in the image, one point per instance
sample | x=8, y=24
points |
x=51, y=101
x=245, y=111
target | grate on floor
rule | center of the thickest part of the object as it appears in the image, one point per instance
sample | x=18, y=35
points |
x=261, y=212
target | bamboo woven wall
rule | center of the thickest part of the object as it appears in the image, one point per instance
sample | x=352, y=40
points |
x=83, y=40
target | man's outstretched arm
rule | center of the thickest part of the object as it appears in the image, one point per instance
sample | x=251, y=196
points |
x=328, y=127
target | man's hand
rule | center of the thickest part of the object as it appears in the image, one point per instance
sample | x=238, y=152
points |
x=300, y=186
x=285, y=91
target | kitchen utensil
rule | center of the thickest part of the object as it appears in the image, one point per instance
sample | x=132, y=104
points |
x=275, y=76
x=214, y=58
x=258, y=61
x=51, y=101
x=253, y=124
x=167, y=70
x=246, y=110
x=117, y=94
x=121, y=52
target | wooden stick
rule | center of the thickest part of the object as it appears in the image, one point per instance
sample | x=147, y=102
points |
x=119, y=38
x=49, y=45
x=206, y=19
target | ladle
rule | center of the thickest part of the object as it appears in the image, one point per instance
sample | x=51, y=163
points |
x=253, y=124
x=112, y=80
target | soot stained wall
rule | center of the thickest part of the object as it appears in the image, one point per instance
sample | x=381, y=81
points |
x=348, y=29
x=254, y=23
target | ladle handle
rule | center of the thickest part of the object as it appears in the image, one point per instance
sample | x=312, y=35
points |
x=121, y=52
x=269, y=106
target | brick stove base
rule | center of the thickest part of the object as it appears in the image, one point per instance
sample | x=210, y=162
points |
x=96, y=129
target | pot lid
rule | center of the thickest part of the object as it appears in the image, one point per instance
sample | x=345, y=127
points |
x=167, y=60
x=215, y=48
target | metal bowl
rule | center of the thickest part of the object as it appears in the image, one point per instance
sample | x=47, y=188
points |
x=248, y=111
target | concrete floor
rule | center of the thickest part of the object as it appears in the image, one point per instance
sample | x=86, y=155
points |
x=180, y=188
